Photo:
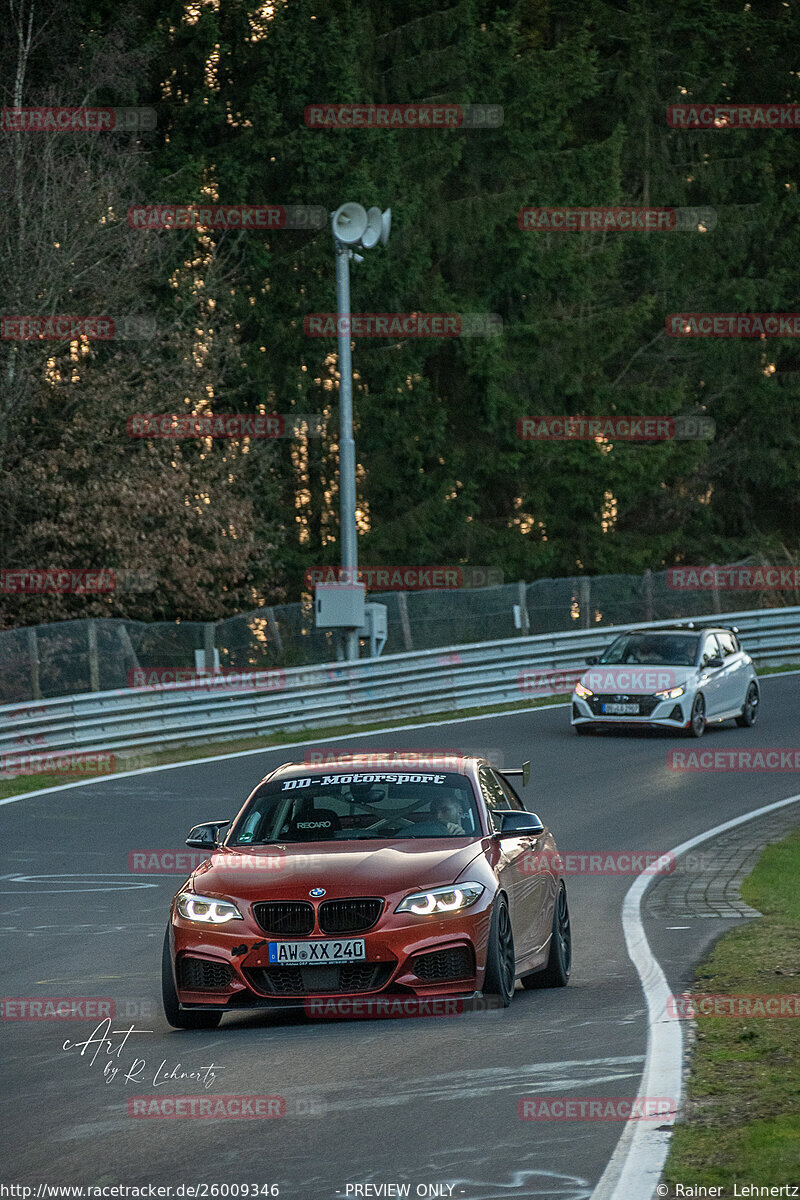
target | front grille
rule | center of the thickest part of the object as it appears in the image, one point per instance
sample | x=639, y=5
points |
x=646, y=705
x=443, y=965
x=200, y=975
x=322, y=980
x=349, y=916
x=285, y=917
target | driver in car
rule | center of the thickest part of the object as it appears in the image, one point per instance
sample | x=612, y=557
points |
x=648, y=651
x=446, y=810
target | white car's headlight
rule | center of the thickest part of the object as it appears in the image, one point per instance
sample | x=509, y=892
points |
x=441, y=900
x=670, y=693
x=582, y=691
x=207, y=909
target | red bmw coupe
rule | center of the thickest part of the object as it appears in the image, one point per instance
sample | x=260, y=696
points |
x=364, y=881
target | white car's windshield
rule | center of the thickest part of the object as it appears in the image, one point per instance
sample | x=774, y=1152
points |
x=365, y=804
x=654, y=649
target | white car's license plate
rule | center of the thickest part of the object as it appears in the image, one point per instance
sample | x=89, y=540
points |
x=284, y=953
x=620, y=708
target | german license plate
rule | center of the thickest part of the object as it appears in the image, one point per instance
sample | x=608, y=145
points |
x=620, y=708
x=286, y=953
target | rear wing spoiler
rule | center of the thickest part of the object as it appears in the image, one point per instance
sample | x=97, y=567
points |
x=524, y=771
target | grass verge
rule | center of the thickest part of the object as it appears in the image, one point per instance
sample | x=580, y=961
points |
x=741, y=1122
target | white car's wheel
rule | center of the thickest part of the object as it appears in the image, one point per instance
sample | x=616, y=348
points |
x=697, y=721
x=749, y=713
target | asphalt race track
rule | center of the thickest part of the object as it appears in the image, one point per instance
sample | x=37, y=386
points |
x=418, y=1101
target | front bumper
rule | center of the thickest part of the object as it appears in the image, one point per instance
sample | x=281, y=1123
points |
x=669, y=714
x=227, y=970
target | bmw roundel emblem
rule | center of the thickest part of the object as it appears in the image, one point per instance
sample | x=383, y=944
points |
x=317, y=892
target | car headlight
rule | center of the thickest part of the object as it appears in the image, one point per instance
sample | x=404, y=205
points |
x=670, y=693
x=441, y=900
x=207, y=909
x=582, y=691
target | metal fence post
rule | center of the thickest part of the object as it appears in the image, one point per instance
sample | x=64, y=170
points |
x=525, y=621
x=208, y=645
x=715, y=605
x=33, y=653
x=276, y=633
x=127, y=646
x=647, y=589
x=94, y=665
x=402, y=608
x=585, y=601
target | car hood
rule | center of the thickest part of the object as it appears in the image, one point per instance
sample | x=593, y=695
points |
x=634, y=680
x=292, y=870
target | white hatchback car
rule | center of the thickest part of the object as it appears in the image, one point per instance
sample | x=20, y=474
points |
x=676, y=677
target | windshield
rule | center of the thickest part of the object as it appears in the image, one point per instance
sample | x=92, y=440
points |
x=654, y=649
x=349, y=807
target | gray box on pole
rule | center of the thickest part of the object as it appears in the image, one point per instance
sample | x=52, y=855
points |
x=339, y=605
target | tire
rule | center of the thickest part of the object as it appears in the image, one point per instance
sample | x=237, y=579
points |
x=583, y=730
x=697, y=721
x=500, y=974
x=559, y=961
x=749, y=714
x=177, y=1017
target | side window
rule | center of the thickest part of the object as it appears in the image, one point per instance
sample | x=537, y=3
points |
x=513, y=799
x=711, y=649
x=493, y=793
x=727, y=644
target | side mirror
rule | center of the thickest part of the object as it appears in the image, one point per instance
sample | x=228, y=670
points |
x=593, y=660
x=518, y=824
x=715, y=662
x=205, y=836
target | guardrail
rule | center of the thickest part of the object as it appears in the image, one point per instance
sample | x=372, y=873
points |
x=397, y=686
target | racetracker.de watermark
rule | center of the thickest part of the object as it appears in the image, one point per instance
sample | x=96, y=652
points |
x=690, y=1006
x=255, y=217
x=56, y=1008
x=638, y=681
x=259, y=426
x=599, y=862
x=85, y=581
x=405, y=325
x=183, y=862
x=734, y=116
x=403, y=116
x=548, y=683
x=65, y=328
x=209, y=1108
x=401, y=1006
x=595, y=1108
x=161, y=861
x=317, y=756
x=616, y=219
x=79, y=763
x=733, y=325
x=444, y=759
x=733, y=578
x=405, y=578
x=76, y=120
x=156, y=678
x=614, y=429
x=775, y=759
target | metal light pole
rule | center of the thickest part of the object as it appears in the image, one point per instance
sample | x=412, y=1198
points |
x=352, y=225
x=347, y=446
